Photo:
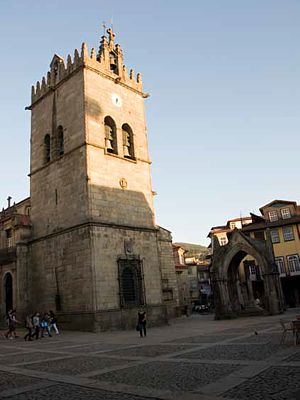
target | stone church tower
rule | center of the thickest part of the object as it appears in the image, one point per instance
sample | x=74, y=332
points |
x=96, y=254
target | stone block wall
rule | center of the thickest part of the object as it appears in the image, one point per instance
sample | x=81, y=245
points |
x=58, y=188
x=109, y=320
x=108, y=247
x=64, y=106
x=61, y=264
x=120, y=207
x=21, y=276
x=168, y=273
x=59, y=195
x=109, y=201
x=82, y=266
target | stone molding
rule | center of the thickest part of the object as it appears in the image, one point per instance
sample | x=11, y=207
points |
x=93, y=224
x=78, y=148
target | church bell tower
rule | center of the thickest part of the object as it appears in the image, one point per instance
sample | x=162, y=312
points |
x=89, y=153
x=94, y=235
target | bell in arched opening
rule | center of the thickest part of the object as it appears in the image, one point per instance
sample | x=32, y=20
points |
x=113, y=62
x=128, y=148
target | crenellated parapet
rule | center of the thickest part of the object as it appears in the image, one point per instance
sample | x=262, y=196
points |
x=108, y=62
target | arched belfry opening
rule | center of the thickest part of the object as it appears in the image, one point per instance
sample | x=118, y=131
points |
x=111, y=143
x=128, y=145
x=245, y=278
x=8, y=291
x=113, y=62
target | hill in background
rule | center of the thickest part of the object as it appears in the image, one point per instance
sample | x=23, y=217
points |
x=193, y=250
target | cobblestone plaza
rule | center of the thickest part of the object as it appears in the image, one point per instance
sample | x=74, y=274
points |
x=192, y=358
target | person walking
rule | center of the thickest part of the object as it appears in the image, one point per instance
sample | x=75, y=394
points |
x=7, y=320
x=29, y=327
x=36, y=325
x=186, y=310
x=142, y=322
x=53, y=322
x=45, y=325
x=12, y=324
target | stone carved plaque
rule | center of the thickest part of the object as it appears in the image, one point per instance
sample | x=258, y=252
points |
x=123, y=183
x=128, y=246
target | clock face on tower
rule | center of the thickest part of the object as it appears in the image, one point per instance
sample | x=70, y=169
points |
x=117, y=101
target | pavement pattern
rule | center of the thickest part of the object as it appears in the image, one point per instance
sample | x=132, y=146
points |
x=191, y=358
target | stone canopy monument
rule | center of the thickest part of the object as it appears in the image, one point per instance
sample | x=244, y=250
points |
x=94, y=253
x=224, y=274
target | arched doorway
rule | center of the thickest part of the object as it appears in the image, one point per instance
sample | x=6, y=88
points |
x=226, y=274
x=246, y=284
x=8, y=291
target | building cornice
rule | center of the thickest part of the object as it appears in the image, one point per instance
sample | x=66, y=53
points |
x=90, y=224
x=92, y=145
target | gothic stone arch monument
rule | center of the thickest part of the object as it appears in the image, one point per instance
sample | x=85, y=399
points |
x=226, y=261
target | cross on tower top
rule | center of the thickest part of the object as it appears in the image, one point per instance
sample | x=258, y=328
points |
x=111, y=37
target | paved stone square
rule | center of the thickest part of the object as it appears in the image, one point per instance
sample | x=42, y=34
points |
x=275, y=383
x=260, y=338
x=23, y=357
x=11, y=381
x=76, y=365
x=192, y=358
x=61, y=392
x=151, y=350
x=241, y=352
x=169, y=375
x=204, y=339
x=294, y=357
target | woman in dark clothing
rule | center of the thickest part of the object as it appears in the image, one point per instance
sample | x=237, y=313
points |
x=142, y=322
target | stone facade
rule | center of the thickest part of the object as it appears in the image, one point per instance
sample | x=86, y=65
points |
x=95, y=254
x=182, y=275
x=15, y=230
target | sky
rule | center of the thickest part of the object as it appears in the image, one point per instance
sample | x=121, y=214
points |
x=223, y=116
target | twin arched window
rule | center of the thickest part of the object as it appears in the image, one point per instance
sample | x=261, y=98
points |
x=111, y=143
x=128, y=149
x=59, y=144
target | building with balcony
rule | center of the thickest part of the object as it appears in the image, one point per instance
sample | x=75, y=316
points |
x=282, y=218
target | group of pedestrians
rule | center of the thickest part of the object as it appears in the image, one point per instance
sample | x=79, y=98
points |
x=38, y=325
